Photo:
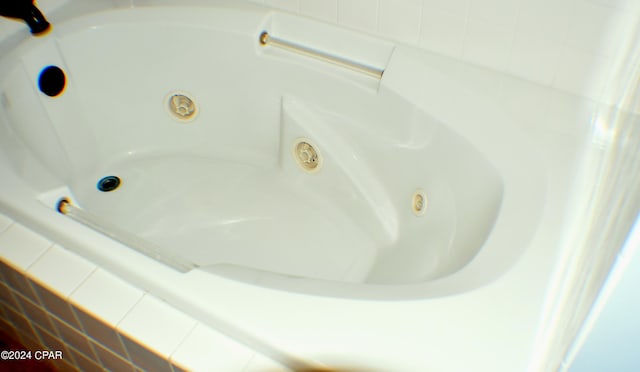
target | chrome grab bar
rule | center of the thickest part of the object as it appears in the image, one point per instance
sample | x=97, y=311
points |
x=268, y=40
x=134, y=242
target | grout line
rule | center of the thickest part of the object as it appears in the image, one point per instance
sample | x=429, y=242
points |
x=378, y=7
x=182, y=341
x=420, y=24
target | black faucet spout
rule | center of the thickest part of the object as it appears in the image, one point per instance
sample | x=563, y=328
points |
x=28, y=12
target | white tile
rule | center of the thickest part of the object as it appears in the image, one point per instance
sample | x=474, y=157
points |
x=5, y=222
x=260, y=363
x=106, y=296
x=326, y=10
x=60, y=270
x=596, y=29
x=443, y=32
x=499, y=12
x=358, y=14
x=400, y=20
x=22, y=247
x=544, y=21
x=289, y=5
x=123, y=3
x=458, y=7
x=582, y=73
x=157, y=325
x=488, y=45
x=534, y=59
x=204, y=348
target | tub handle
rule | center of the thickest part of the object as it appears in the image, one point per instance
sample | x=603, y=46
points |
x=267, y=40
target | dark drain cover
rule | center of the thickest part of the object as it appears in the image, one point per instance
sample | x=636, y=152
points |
x=108, y=183
x=52, y=81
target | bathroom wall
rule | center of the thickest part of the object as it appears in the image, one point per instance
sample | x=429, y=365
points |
x=571, y=45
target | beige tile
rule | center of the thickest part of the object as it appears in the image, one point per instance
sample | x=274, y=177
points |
x=7, y=297
x=111, y=361
x=144, y=358
x=74, y=338
x=84, y=362
x=55, y=304
x=54, y=343
x=7, y=327
x=16, y=279
x=101, y=332
x=34, y=312
x=30, y=342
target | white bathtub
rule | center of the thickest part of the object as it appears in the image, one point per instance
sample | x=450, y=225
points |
x=223, y=194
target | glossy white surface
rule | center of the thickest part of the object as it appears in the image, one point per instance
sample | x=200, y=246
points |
x=500, y=158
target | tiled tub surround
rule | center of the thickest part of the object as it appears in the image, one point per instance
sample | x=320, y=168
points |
x=52, y=299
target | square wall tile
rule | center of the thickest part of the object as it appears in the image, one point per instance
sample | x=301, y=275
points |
x=596, y=29
x=443, y=32
x=582, y=73
x=358, y=14
x=498, y=12
x=544, y=21
x=535, y=59
x=289, y=5
x=400, y=20
x=458, y=7
x=21, y=247
x=326, y=10
x=488, y=45
x=205, y=348
x=5, y=222
x=157, y=325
